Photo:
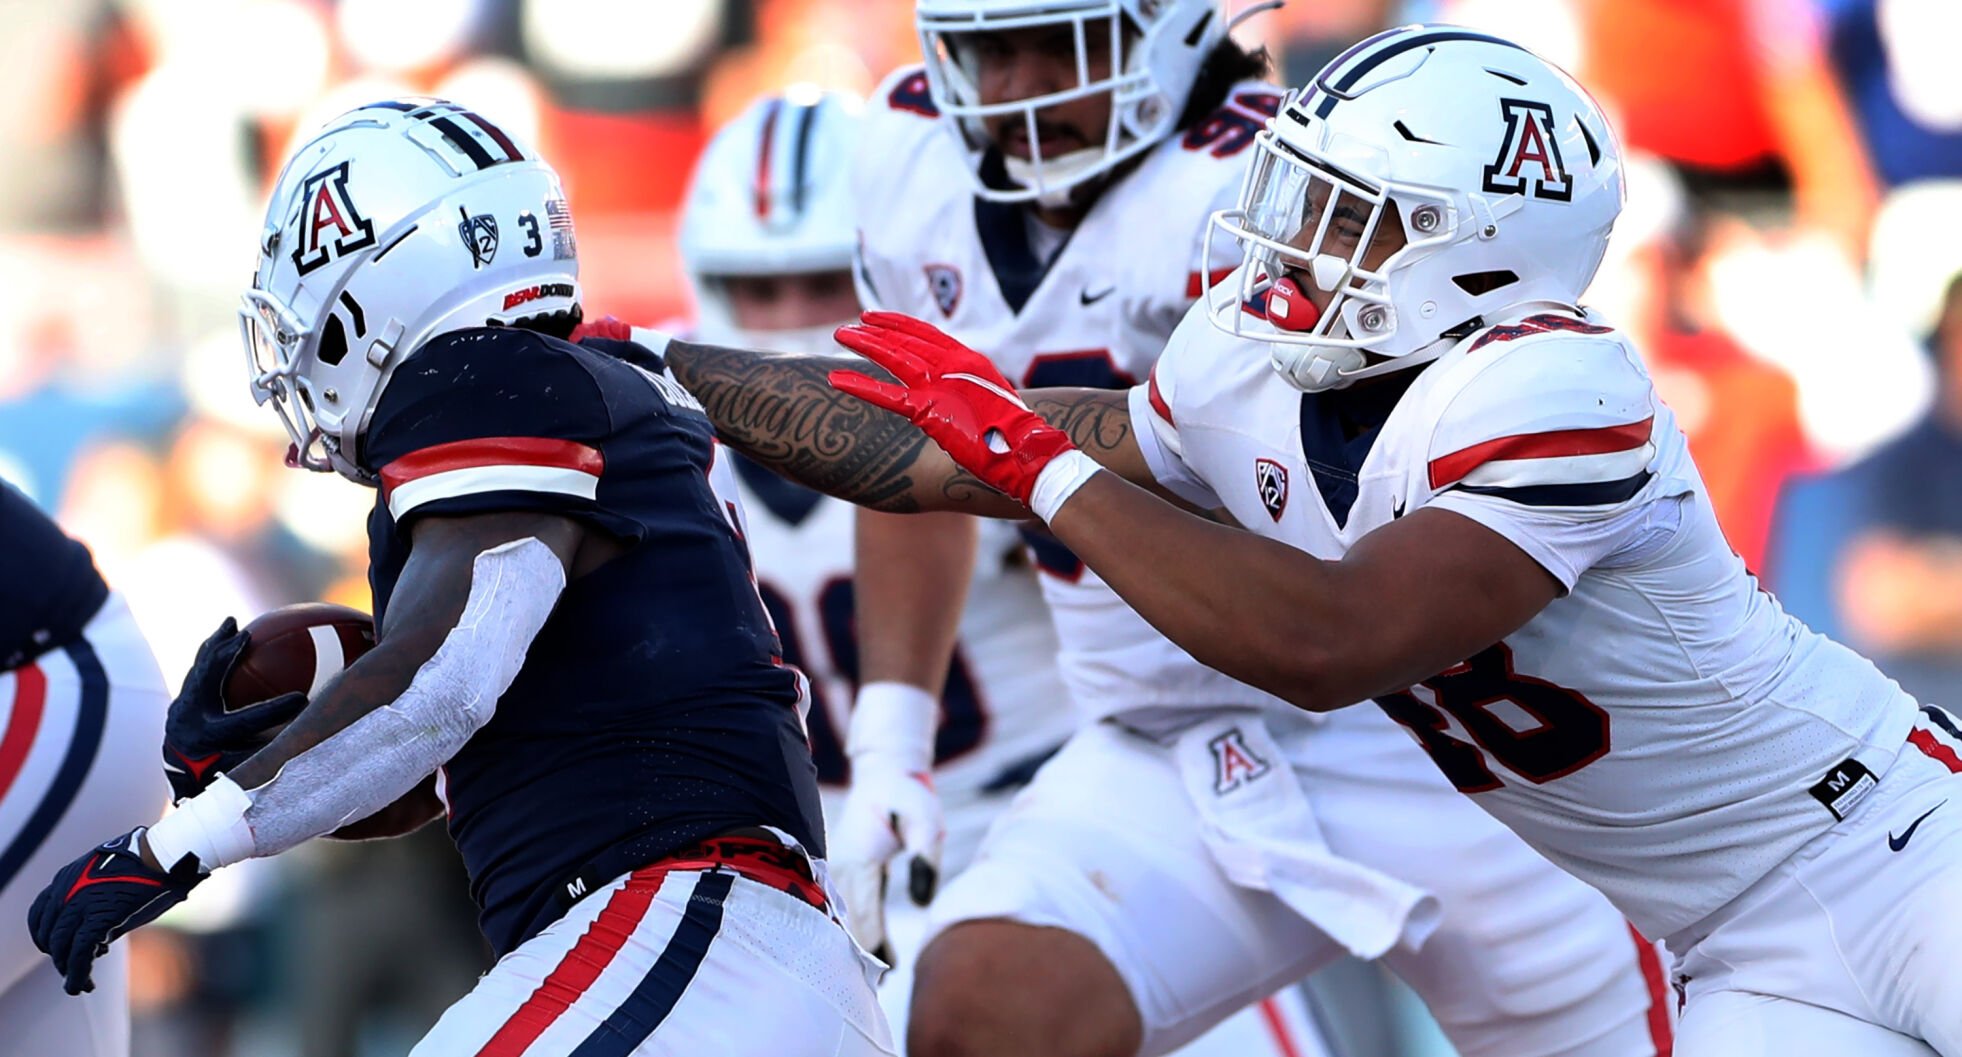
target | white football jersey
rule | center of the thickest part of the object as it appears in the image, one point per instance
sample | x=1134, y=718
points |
x=1096, y=316
x=1004, y=708
x=1664, y=730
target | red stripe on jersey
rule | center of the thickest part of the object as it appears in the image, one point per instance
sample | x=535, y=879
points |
x=491, y=451
x=580, y=967
x=1935, y=750
x=1157, y=399
x=1197, y=283
x=30, y=697
x=1660, y=1031
x=763, y=159
x=1450, y=469
x=1278, y=1027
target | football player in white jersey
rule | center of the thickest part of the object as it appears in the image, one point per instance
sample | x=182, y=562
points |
x=81, y=704
x=767, y=238
x=1478, y=514
x=1041, y=187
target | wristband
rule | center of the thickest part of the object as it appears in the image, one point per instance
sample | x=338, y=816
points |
x=1059, y=480
x=895, y=720
x=210, y=825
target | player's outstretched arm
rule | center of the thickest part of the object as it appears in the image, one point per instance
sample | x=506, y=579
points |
x=1408, y=601
x=780, y=409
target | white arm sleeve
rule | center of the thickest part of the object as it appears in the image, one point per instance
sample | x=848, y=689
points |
x=375, y=760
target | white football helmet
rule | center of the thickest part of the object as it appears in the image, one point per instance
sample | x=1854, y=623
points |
x=771, y=196
x=1500, y=170
x=398, y=221
x=1155, y=47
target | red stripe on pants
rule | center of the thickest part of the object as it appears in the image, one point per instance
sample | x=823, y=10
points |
x=1277, y=1026
x=30, y=698
x=580, y=967
x=1660, y=1031
x=1934, y=749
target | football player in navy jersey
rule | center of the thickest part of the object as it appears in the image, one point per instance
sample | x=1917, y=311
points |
x=80, y=703
x=570, y=640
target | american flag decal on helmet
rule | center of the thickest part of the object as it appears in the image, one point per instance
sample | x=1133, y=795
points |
x=558, y=216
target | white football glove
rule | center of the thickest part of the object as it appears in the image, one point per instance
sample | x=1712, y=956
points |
x=892, y=812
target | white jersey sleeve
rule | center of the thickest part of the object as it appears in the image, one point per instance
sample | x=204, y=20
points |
x=1551, y=445
x=1153, y=424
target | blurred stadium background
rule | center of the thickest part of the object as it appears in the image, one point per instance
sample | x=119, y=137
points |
x=1788, y=258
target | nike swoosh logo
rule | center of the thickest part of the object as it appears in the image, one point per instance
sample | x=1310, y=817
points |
x=1897, y=843
x=1089, y=298
x=1396, y=509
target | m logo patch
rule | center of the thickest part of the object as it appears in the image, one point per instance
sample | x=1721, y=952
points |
x=1234, y=764
x=1271, y=480
x=944, y=281
x=479, y=236
x=1529, y=159
x=330, y=225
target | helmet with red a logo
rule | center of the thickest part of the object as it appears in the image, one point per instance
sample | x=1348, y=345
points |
x=1493, y=175
x=398, y=221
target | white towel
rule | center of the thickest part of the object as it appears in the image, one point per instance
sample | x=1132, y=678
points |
x=1257, y=822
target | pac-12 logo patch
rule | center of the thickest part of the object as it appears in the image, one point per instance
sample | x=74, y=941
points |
x=944, y=281
x=1529, y=159
x=1271, y=480
x=479, y=236
x=1234, y=763
x=330, y=225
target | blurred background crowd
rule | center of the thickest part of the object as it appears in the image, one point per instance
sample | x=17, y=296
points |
x=1790, y=260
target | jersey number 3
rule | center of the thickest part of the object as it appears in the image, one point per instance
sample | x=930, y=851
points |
x=1561, y=731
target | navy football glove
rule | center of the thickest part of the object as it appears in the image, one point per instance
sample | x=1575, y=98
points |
x=99, y=897
x=201, y=738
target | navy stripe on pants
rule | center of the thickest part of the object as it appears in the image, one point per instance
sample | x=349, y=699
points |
x=89, y=722
x=655, y=996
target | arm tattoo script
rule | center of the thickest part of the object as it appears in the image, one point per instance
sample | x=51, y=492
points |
x=778, y=409
x=1097, y=420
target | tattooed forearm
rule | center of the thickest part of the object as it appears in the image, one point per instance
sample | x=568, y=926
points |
x=1097, y=420
x=778, y=409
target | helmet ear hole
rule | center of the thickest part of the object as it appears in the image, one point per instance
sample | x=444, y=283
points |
x=1476, y=283
x=333, y=341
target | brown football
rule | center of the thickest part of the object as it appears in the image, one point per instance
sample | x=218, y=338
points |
x=297, y=648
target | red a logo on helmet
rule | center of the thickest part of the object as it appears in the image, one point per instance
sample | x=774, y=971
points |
x=329, y=224
x=1529, y=159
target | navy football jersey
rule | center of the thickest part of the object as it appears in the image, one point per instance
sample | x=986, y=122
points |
x=653, y=709
x=48, y=584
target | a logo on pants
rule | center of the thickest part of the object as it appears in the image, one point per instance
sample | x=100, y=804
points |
x=1234, y=763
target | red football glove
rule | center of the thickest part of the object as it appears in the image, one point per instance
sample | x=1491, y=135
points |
x=956, y=396
x=604, y=327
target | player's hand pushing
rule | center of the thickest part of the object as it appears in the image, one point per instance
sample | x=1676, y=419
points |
x=956, y=396
x=99, y=897
x=202, y=738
